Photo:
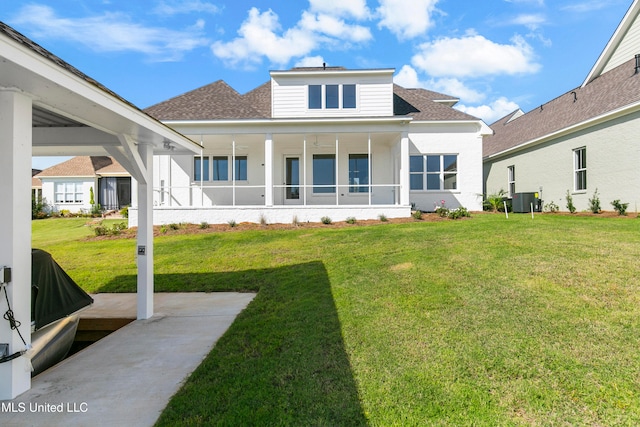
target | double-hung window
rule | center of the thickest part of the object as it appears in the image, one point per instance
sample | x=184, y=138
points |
x=315, y=97
x=511, y=180
x=201, y=168
x=240, y=168
x=358, y=173
x=433, y=172
x=580, y=168
x=324, y=173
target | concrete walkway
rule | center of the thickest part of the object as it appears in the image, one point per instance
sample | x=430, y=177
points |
x=127, y=378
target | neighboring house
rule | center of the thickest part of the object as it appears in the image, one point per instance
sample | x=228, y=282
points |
x=36, y=186
x=68, y=185
x=582, y=141
x=316, y=142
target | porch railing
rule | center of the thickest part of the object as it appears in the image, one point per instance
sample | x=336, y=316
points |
x=254, y=195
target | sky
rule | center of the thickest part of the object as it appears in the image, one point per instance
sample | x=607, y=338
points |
x=494, y=55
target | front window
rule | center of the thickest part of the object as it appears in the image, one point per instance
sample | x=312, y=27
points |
x=315, y=97
x=220, y=168
x=580, y=168
x=201, y=169
x=324, y=173
x=358, y=173
x=240, y=173
x=68, y=192
x=433, y=172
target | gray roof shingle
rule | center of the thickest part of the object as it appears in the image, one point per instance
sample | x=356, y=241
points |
x=610, y=91
x=218, y=101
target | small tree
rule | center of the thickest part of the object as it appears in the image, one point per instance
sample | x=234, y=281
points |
x=594, y=202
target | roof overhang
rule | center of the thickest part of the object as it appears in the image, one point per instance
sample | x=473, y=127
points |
x=73, y=114
x=331, y=72
x=566, y=131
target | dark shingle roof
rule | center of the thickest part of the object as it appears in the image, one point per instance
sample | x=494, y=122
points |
x=219, y=101
x=612, y=90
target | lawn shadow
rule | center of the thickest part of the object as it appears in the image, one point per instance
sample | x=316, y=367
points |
x=282, y=362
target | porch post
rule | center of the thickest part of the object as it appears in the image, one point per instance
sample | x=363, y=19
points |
x=404, y=169
x=337, y=174
x=15, y=229
x=145, y=234
x=268, y=170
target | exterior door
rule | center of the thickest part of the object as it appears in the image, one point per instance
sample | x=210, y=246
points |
x=292, y=180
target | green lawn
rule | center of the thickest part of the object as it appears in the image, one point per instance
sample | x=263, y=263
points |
x=484, y=321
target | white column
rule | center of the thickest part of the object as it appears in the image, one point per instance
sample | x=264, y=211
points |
x=15, y=229
x=268, y=170
x=404, y=170
x=145, y=235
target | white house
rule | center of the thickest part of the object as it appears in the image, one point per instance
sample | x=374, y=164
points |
x=68, y=185
x=582, y=141
x=316, y=142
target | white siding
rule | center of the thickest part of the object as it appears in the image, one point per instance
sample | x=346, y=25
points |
x=627, y=49
x=374, y=96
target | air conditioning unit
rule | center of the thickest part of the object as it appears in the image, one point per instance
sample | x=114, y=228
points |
x=521, y=202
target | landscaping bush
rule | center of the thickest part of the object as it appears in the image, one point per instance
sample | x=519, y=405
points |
x=570, y=204
x=619, y=207
x=417, y=214
x=351, y=220
x=494, y=202
x=326, y=220
x=594, y=203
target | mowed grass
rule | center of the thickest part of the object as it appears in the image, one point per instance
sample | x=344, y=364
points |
x=484, y=321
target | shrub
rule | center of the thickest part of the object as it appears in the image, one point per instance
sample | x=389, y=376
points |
x=38, y=209
x=442, y=210
x=232, y=223
x=96, y=209
x=619, y=207
x=594, y=203
x=551, y=207
x=116, y=229
x=351, y=220
x=124, y=212
x=383, y=218
x=263, y=220
x=460, y=212
x=325, y=220
x=417, y=214
x=570, y=204
x=163, y=228
x=493, y=202
x=174, y=226
x=204, y=225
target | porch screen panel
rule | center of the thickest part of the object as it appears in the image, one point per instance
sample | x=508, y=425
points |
x=108, y=193
x=240, y=168
x=324, y=173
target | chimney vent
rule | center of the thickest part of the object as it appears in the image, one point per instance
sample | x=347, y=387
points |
x=324, y=64
x=637, y=64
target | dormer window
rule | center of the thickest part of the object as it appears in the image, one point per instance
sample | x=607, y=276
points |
x=332, y=97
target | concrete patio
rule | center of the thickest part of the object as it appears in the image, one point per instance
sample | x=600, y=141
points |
x=128, y=377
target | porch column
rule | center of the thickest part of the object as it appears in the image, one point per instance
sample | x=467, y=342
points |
x=268, y=170
x=404, y=169
x=145, y=234
x=15, y=229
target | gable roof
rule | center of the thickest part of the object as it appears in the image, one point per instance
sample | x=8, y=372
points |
x=84, y=166
x=609, y=94
x=218, y=101
x=621, y=46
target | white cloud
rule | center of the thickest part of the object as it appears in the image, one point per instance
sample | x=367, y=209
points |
x=492, y=111
x=261, y=36
x=406, y=19
x=585, y=6
x=310, y=61
x=408, y=77
x=334, y=27
x=176, y=7
x=111, y=32
x=342, y=8
x=258, y=38
x=531, y=21
x=474, y=56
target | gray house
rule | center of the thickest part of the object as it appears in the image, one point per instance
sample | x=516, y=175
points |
x=582, y=141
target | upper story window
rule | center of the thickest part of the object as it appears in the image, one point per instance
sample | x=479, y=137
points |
x=332, y=96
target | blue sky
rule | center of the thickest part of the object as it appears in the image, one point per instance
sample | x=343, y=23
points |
x=495, y=55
